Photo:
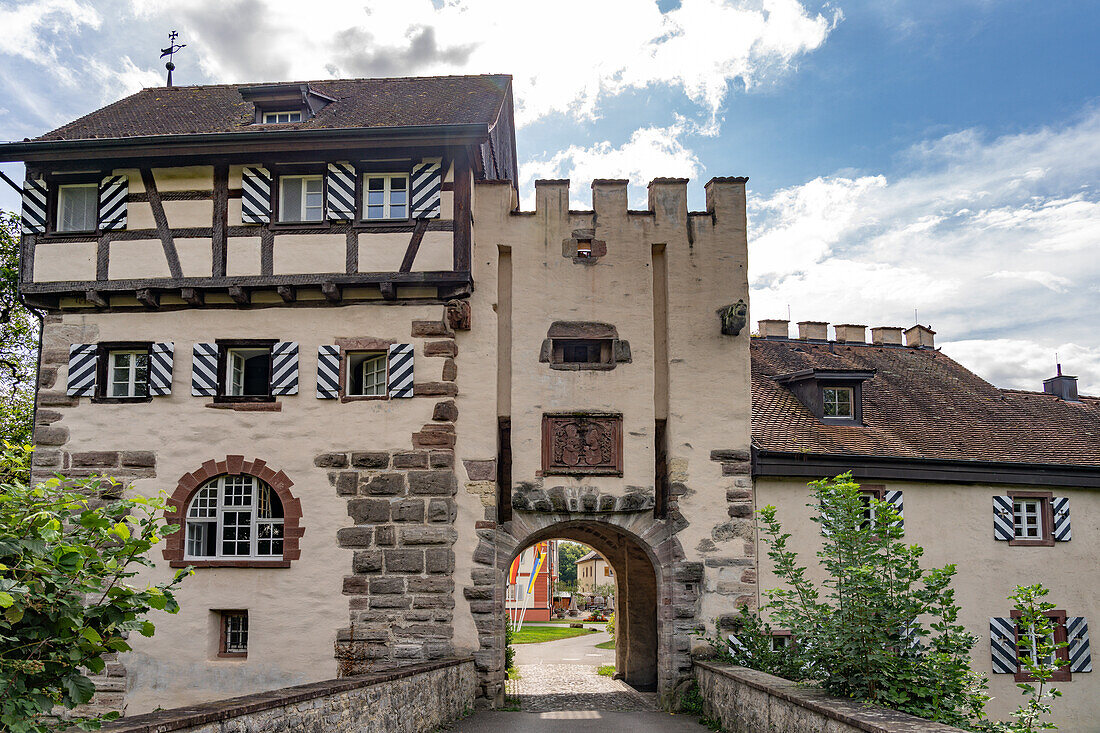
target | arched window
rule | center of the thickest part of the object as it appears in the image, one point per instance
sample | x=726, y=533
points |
x=234, y=517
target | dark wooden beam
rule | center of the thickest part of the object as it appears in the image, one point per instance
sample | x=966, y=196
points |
x=238, y=294
x=164, y=232
x=462, y=214
x=148, y=298
x=331, y=291
x=95, y=298
x=287, y=293
x=389, y=290
x=192, y=296
x=414, y=245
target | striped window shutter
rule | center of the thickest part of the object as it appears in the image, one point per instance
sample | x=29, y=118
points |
x=1060, y=507
x=82, y=370
x=34, y=206
x=284, y=368
x=427, y=182
x=160, y=369
x=255, y=195
x=1002, y=645
x=341, y=191
x=400, y=382
x=893, y=498
x=204, y=370
x=1077, y=634
x=1004, y=526
x=328, y=372
x=113, y=193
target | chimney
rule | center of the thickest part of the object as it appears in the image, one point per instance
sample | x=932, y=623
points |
x=886, y=336
x=1062, y=386
x=773, y=328
x=850, y=333
x=921, y=337
x=813, y=330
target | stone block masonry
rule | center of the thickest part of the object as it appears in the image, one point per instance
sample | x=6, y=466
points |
x=415, y=698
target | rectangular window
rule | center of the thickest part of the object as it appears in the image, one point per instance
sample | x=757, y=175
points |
x=247, y=372
x=278, y=118
x=582, y=352
x=128, y=373
x=386, y=196
x=366, y=373
x=78, y=207
x=1028, y=641
x=234, y=634
x=1032, y=518
x=838, y=402
x=301, y=198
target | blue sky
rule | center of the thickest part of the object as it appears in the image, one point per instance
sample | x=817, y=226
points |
x=937, y=156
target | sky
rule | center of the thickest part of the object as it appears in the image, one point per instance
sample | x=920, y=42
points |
x=935, y=161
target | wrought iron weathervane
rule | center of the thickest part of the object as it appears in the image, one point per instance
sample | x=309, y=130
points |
x=170, y=53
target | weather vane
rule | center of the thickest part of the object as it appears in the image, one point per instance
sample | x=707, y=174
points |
x=170, y=53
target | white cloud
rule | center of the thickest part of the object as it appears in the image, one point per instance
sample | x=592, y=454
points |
x=39, y=31
x=1021, y=364
x=974, y=235
x=651, y=152
x=566, y=56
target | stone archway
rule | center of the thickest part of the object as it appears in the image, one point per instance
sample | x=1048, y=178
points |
x=657, y=590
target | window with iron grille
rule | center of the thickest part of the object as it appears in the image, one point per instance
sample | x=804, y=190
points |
x=234, y=634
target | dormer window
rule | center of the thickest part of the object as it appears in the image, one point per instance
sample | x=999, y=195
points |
x=279, y=118
x=837, y=403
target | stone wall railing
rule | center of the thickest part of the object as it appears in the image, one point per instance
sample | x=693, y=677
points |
x=747, y=701
x=410, y=699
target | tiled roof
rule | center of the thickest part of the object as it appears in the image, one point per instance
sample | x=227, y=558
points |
x=919, y=404
x=393, y=102
x=590, y=556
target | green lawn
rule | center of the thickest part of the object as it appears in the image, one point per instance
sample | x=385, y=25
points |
x=569, y=621
x=535, y=634
x=606, y=645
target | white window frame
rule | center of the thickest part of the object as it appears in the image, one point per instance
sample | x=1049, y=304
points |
x=292, y=115
x=204, y=503
x=825, y=403
x=387, y=194
x=132, y=380
x=61, y=191
x=306, y=179
x=370, y=357
x=1021, y=510
x=231, y=388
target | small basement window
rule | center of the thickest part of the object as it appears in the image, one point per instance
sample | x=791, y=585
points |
x=301, y=198
x=838, y=402
x=386, y=196
x=367, y=374
x=234, y=634
x=278, y=118
x=77, y=207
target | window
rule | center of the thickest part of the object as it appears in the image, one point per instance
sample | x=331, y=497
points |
x=235, y=517
x=234, y=634
x=866, y=494
x=838, y=402
x=78, y=207
x=247, y=372
x=1032, y=518
x=1028, y=641
x=301, y=198
x=386, y=196
x=128, y=373
x=277, y=118
x=781, y=640
x=607, y=572
x=366, y=374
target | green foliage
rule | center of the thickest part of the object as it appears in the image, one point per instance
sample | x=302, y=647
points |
x=568, y=554
x=67, y=550
x=509, y=652
x=611, y=626
x=18, y=342
x=1039, y=663
x=751, y=646
x=862, y=634
x=606, y=670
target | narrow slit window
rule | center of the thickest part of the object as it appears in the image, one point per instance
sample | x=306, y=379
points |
x=301, y=198
x=386, y=196
x=77, y=207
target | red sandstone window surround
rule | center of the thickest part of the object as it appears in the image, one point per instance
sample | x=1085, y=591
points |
x=234, y=466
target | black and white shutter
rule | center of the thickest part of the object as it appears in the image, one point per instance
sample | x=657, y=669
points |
x=341, y=191
x=284, y=368
x=1077, y=634
x=893, y=498
x=1002, y=645
x=113, y=193
x=204, y=370
x=400, y=381
x=427, y=182
x=33, y=218
x=255, y=195
x=1004, y=526
x=82, y=370
x=160, y=369
x=1060, y=507
x=328, y=372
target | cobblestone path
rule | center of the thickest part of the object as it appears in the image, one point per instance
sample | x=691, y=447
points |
x=559, y=687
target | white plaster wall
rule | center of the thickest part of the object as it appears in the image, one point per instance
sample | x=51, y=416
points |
x=137, y=258
x=59, y=262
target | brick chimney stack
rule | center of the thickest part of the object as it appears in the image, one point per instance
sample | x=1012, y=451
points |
x=1062, y=386
x=921, y=337
x=850, y=333
x=813, y=330
x=773, y=328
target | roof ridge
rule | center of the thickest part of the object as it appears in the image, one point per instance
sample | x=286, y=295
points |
x=227, y=85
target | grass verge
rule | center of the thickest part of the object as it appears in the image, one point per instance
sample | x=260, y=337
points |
x=536, y=634
x=606, y=644
x=606, y=670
